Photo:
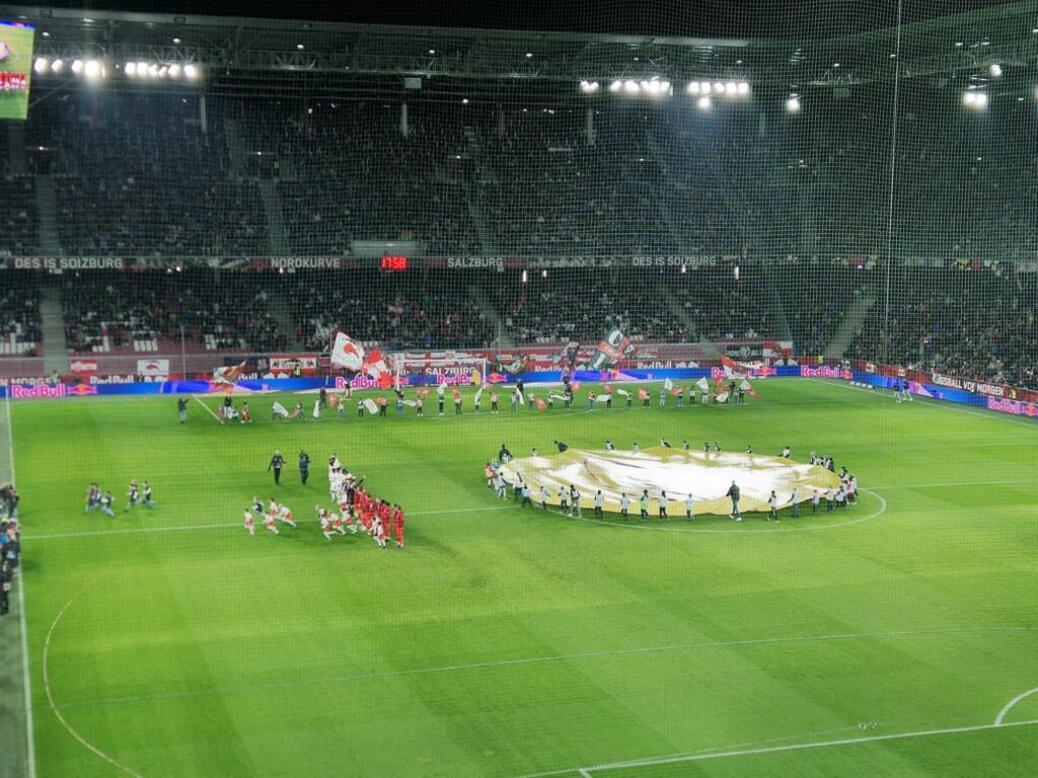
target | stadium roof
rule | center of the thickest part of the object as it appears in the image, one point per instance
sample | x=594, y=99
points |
x=227, y=47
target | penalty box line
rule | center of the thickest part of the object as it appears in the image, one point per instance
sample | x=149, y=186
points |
x=591, y=771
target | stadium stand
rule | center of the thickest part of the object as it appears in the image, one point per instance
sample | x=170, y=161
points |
x=119, y=313
x=20, y=333
x=142, y=175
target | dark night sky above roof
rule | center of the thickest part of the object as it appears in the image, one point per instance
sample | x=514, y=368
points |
x=695, y=18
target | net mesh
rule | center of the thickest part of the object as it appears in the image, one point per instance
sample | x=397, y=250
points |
x=863, y=189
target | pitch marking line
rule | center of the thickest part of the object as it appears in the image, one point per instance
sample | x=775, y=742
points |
x=50, y=697
x=932, y=403
x=951, y=484
x=588, y=772
x=30, y=740
x=197, y=527
x=1000, y=718
x=200, y=402
x=360, y=677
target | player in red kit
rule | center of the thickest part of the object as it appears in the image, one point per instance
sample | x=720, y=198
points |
x=250, y=523
x=398, y=525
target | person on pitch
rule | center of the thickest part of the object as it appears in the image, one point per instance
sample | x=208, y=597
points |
x=398, y=526
x=689, y=513
x=574, y=498
x=599, y=503
x=663, y=506
x=277, y=462
x=504, y=456
x=93, y=499
x=733, y=494
x=525, y=491
x=564, y=500
x=493, y=401
x=182, y=409
x=643, y=504
x=250, y=523
x=609, y=446
x=794, y=505
x=146, y=496
x=544, y=497
x=561, y=446
x=814, y=501
x=785, y=452
x=304, y=466
x=773, y=506
x=625, y=505
x=133, y=496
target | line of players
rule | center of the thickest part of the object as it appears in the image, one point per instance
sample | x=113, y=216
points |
x=570, y=505
x=358, y=511
x=96, y=500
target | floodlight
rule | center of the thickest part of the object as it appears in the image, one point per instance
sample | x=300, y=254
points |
x=41, y=65
x=703, y=103
x=525, y=277
x=192, y=71
x=969, y=98
x=77, y=66
x=163, y=71
x=616, y=86
x=704, y=87
x=982, y=100
x=718, y=87
x=57, y=65
x=644, y=85
x=665, y=87
x=693, y=88
x=731, y=88
x=176, y=41
x=174, y=71
x=153, y=70
x=996, y=70
x=130, y=69
x=793, y=104
x=92, y=69
x=743, y=88
x=631, y=87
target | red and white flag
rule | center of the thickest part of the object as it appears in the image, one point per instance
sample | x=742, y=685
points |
x=350, y=354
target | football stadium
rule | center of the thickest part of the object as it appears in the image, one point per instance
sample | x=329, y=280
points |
x=588, y=390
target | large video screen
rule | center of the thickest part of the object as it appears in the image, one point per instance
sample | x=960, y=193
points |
x=16, y=41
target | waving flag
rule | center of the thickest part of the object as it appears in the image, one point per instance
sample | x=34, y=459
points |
x=747, y=387
x=703, y=385
x=611, y=349
x=347, y=353
x=642, y=394
x=538, y=403
x=350, y=355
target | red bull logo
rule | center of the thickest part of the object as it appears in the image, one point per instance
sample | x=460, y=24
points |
x=45, y=391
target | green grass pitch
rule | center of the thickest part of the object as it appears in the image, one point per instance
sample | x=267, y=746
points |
x=504, y=642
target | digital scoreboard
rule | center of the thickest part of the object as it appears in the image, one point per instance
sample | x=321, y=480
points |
x=16, y=42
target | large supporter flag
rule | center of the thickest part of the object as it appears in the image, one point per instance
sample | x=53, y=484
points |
x=611, y=349
x=350, y=354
